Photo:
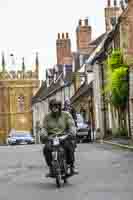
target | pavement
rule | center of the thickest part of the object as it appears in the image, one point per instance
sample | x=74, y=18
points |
x=121, y=143
x=106, y=173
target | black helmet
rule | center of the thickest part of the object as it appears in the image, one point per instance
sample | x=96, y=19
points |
x=51, y=103
x=58, y=102
x=54, y=102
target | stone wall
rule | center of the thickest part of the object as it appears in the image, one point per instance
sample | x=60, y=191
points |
x=11, y=116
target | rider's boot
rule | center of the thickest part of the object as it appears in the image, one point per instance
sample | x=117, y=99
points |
x=73, y=170
x=49, y=174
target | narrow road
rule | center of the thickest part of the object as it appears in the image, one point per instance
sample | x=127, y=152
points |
x=105, y=174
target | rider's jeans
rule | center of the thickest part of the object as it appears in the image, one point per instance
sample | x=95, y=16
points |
x=68, y=147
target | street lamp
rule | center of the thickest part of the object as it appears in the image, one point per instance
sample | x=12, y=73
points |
x=38, y=129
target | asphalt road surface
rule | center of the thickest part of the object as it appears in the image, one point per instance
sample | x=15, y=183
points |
x=105, y=174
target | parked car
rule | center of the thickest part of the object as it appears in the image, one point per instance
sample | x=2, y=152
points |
x=83, y=129
x=20, y=137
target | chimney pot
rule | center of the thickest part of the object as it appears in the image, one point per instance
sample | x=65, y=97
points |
x=62, y=35
x=58, y=35
x=86, y=22
x=115, y=3
x=109, y=3
x=67, y=35
x=80, y=22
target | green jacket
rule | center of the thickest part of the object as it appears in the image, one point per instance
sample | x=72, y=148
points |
x=60, y=124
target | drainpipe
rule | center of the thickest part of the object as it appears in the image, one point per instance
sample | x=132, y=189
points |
x=91, y=103
x=92, y=114
x=128, y=104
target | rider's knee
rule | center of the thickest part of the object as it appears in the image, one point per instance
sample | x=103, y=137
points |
x=46, y=149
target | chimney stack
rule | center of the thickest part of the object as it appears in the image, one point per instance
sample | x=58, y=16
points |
x=63, y=48
x=111, y=12
x=83, y=36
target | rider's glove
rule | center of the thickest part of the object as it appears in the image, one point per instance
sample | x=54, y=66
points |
x=43, y=139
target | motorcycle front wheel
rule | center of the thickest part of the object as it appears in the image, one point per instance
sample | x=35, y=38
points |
x=58, y=180
x=57, y=173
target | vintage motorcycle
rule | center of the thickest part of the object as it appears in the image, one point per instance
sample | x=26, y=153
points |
x=61, y=171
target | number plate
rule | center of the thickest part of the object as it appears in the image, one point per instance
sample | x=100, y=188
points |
x=23, y=142
x=56, y=141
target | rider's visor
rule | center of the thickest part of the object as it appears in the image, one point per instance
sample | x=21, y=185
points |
x=55, y=105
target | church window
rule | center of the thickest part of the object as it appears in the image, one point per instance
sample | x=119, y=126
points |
x=21, y=103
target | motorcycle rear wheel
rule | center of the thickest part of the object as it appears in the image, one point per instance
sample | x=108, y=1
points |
x=65, y=180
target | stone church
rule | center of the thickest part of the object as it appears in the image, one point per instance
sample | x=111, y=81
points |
x=16, y=91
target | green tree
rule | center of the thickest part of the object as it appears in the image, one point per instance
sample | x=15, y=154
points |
x=116, y=88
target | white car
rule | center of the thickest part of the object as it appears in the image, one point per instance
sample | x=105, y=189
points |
x=20, y=137
x=83, y=129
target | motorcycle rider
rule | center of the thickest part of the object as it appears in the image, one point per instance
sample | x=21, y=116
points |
x=69, y=108
x=58, y=121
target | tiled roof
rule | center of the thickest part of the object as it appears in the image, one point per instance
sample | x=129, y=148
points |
x=84, y=89
x=54, y=87
x=109, y=37
x=68, y=77
x=45, y=92
x=97, y=41
x=39, y=93
x=101, y=50
x=51, y=71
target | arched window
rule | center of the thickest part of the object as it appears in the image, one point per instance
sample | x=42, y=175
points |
x=21, y=103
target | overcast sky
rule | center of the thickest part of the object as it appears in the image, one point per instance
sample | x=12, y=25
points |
x=28, y=26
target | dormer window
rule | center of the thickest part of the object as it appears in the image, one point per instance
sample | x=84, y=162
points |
x=81, y=60
x=82, y=80
x=54, y=78
x=47, y=82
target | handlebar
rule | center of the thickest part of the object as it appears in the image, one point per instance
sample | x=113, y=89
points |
x=60, y=135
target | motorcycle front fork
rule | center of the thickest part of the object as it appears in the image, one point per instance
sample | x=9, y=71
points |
x=55, y=155
x=61, y=164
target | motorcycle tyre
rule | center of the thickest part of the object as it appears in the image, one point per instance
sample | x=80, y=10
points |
x=65, y=180
x=58, y=180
